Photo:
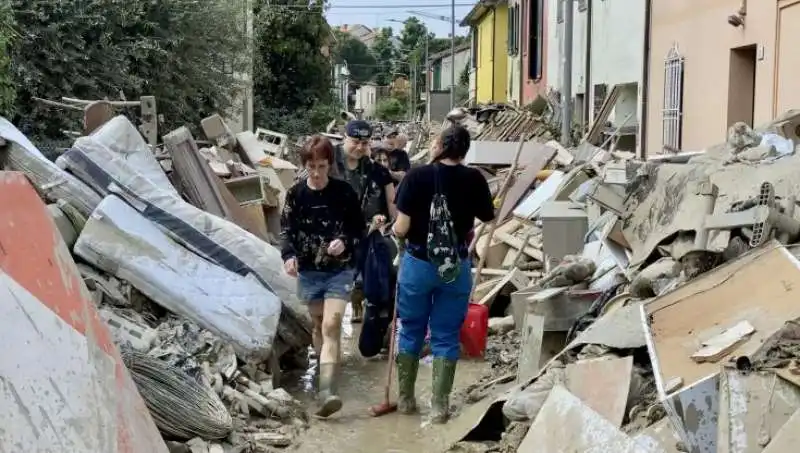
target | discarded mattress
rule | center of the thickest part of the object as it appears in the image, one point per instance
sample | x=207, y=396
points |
x=217, y=239
x=64, y=386
x=53, y=183
x=121, y=137
x=120, y=241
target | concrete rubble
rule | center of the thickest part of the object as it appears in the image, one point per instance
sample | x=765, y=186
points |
x=173, y=252
x=638, y=305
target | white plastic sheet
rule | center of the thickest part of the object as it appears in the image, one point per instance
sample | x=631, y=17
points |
x=119, y=240
x=221, y=241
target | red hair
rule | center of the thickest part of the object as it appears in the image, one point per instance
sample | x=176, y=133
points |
x=317, y=148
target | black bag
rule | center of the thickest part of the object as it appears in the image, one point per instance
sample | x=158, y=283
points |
x=442, y=241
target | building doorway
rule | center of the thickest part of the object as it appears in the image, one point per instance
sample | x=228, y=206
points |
x=742, y=85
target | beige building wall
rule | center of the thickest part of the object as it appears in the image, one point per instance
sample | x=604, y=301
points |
x=717, y=56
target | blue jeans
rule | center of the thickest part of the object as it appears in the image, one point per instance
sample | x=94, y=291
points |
x=425, y=300
x=316, y=286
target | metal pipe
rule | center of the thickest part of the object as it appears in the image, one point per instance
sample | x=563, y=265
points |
x=427, y=80
x=452, y=54
x=642, y=135
x=589, y=88
x=566, y=75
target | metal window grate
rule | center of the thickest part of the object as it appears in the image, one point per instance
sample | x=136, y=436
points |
x=672, y=115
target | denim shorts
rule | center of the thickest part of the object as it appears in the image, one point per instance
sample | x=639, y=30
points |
x=316, y=286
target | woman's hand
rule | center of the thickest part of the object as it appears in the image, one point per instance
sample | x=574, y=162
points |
x=290, y=266
x=377, y=223
x=336, y=247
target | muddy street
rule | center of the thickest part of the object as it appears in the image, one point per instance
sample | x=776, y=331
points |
x=353, y=429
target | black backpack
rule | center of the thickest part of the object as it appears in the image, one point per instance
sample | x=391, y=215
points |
x=442, y=241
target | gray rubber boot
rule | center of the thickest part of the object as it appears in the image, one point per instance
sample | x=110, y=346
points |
x=407, y=368
x=330, y=403
x=444, y=373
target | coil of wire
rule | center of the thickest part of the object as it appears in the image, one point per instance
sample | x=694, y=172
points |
x=181, y=407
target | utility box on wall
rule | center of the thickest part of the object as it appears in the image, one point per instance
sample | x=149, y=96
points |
x=564, y=228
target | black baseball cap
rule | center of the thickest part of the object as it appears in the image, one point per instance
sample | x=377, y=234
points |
x=358, y=129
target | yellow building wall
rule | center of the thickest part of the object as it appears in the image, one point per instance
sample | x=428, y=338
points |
x=501, y=54
x=484, y=76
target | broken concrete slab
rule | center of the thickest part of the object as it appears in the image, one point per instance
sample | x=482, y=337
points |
x=69, y=359
x=602, y=384
x=787, y=438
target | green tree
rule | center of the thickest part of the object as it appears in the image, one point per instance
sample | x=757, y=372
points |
x=359, y=58
x=94, y=49
x=7, y=33
x=292, y=80
x=385, y=54
x=390, y=109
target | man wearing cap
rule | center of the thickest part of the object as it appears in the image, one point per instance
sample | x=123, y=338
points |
x=372, y=182
x=399, y=163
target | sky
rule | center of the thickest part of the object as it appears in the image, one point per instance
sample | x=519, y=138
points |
x=383, y=13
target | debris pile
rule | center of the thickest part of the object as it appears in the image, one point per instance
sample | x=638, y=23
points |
x=639, y=305
x=173, y=257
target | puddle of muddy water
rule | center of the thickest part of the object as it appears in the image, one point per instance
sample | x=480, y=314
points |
x=362, y=383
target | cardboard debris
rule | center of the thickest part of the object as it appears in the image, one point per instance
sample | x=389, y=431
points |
x=602, y=384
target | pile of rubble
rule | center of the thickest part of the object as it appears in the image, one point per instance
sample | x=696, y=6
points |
x=640, y=305
x=173, y=248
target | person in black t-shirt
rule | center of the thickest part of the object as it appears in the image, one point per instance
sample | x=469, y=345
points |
x=425, y=301
x=321, y=230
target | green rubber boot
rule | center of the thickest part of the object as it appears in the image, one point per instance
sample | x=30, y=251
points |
x=407, y=367
x=444, y=373
x=330, y=403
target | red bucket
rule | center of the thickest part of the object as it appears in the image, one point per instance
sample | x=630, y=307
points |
x=475, y=331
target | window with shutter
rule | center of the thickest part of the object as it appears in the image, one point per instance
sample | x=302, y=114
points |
x=535, y=39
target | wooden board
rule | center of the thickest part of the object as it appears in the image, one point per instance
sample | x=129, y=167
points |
x=602, y=384
x=759, y=287
x=523, y=183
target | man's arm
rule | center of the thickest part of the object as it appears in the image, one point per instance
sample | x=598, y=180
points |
x=389, y=190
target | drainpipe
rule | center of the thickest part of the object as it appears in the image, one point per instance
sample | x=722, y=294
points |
x=566, y=76
x=521, y=45
x=646, y=55
x=494, y=51
x=589, y=88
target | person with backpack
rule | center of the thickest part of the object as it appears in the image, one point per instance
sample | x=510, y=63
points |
x=437, y=205
x=322, y=228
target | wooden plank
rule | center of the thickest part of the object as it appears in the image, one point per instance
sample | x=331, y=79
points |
x=602, y=384
x=720, y=345
x=514, y=277
x=524, y=182
x=516, y=243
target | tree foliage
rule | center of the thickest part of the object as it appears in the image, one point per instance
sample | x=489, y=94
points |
x=292, y=77
x=358, y=57
x=390, y=109
x=385, y=54
x=7, y=34
x=186, y=53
